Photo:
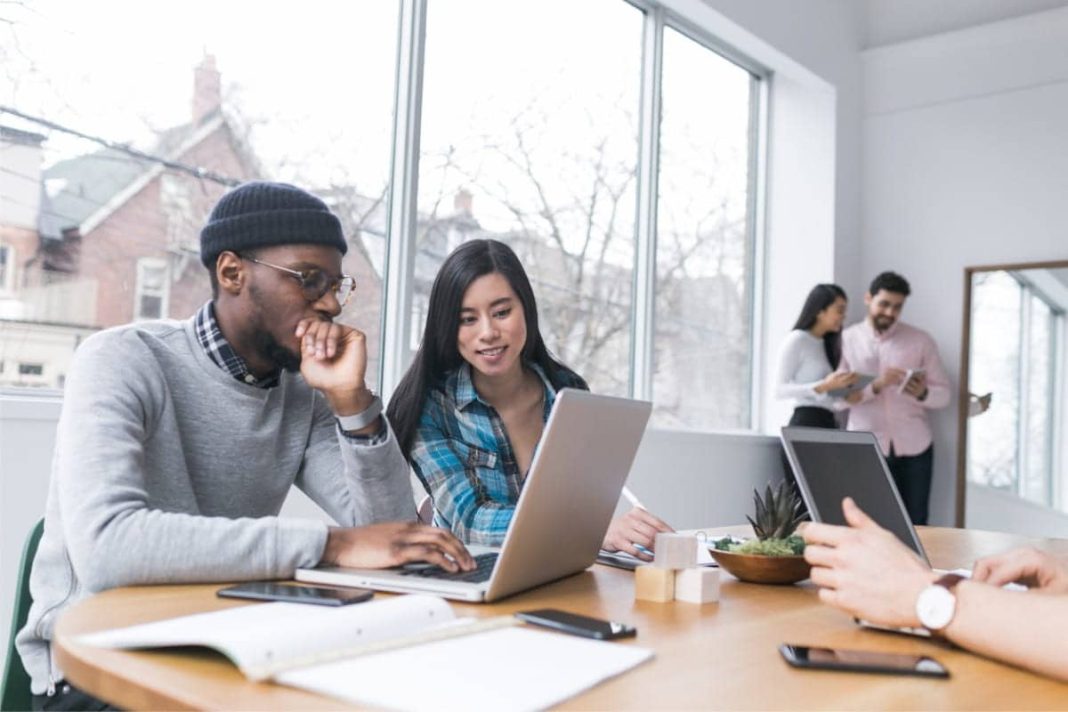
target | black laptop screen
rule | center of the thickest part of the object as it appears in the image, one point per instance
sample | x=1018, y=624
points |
x=834, y=470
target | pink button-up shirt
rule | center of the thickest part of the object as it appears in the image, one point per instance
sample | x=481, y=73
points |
x=897, y=419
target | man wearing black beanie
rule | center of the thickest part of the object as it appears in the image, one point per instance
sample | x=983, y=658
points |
x=179, y=441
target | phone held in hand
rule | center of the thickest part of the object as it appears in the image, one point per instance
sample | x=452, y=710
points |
x=909, y=375
x=318, y=595
x=575, y=624
x=803, y=656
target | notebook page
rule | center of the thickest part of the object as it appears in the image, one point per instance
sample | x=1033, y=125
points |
x=261, y=636
x=507, y=669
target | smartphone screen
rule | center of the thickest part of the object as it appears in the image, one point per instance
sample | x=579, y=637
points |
x=862, y=661
x=320, y=595
x=577, y=625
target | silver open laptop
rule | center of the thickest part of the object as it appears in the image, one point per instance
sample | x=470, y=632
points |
x=832, y=464
x=567, y=502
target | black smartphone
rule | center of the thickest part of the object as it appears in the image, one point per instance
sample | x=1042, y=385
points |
x=577, y=625
x=803, y=656
x=320, y=595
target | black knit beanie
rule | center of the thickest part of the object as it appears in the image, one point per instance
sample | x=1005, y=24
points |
x=261, y=214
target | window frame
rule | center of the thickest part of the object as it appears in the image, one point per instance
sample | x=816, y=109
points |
x=396, y=323
x=143, y=265
x=7, y=277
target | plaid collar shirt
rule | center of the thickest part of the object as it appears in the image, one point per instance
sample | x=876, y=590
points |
x=222, y=354
x=463, y=457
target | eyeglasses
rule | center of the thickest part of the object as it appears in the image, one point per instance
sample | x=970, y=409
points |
x=315, y=283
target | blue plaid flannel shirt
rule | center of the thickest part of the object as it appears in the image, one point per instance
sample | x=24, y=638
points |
x=462, y=455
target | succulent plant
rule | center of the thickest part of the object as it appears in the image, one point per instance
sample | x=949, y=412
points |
x=778, y=513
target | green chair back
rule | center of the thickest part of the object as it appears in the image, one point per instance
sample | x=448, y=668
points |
x=15, y=689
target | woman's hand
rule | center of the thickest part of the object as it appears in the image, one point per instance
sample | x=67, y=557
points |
x=635, y=528
x=836, y=380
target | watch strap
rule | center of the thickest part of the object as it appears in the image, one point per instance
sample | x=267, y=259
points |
x=949, y=581
x=361, y=420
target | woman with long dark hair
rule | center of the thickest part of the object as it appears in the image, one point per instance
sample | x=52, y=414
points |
x=469, y=412
x=809, y=358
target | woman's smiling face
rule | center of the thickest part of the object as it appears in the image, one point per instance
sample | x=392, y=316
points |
x=493, y=327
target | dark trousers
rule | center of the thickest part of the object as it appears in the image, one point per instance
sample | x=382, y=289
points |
x=69, y=697
x=912, y=475
x=806, y=416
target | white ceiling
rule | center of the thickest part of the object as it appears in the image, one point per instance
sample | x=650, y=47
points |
x=892, y=21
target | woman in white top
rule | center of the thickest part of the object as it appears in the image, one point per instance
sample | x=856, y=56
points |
x=809, y=359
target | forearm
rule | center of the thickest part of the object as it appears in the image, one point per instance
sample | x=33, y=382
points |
x=937, y=397
x=379, y=482
x=1024, y=629
x=787, y=390
x=136, y=545
x=355, y=482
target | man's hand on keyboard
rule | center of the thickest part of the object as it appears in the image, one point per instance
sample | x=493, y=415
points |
x=380, y=546
x=1035, y=569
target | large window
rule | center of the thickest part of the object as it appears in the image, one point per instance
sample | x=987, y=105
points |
x=610, y=143
x=125, y=139
x=704, y=241
x=539, y=149
x=1016, y=349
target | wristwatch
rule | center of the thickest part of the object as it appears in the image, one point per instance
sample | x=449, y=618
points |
x=359, y=421
x=936, y=604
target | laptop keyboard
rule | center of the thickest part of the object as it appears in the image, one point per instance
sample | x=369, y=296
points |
x=484, y=564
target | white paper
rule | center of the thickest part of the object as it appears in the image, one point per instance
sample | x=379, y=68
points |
x=260, y=637
x=508, y=669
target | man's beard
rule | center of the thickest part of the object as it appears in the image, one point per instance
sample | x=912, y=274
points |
x=882, y=323
x=269, y=348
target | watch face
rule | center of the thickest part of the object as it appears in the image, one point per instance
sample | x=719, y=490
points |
x=935, y=607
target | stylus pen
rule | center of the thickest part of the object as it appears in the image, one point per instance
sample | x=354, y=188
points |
x=631, y=498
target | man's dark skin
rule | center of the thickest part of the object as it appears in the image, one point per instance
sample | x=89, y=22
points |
x=264, y=315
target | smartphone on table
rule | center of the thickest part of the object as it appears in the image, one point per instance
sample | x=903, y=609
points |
x=319, y=595
x=803, y=656
x=575, y=624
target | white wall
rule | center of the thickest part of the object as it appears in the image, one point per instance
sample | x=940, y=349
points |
x=27, y=434
x=965, y=163
x=893, y=21
x=694, y=480
x=994, y=510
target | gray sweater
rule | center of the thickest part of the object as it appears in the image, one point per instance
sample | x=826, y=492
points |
x=169, y=470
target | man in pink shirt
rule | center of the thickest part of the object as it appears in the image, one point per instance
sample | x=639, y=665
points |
x=910, y=381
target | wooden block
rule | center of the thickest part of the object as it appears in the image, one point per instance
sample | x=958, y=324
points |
x=699, y=584
x=652, y=583
x=674, y=551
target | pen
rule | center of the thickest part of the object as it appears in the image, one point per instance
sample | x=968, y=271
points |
x=631, y=498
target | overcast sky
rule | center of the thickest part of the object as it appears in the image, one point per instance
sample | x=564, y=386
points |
x=315, y=80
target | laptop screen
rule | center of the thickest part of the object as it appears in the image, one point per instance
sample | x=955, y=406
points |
x=833, y=470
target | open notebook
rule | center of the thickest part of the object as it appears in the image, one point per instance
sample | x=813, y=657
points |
x=372, y=653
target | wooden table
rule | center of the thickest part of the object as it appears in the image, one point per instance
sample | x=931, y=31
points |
x=722, y=656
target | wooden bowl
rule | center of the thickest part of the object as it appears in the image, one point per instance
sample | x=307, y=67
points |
x=755, y=568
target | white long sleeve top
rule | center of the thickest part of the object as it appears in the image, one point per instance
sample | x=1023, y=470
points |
x=803, y=365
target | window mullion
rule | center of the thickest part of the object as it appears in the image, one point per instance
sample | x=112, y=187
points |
x=404, y=183
x=644, y=301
